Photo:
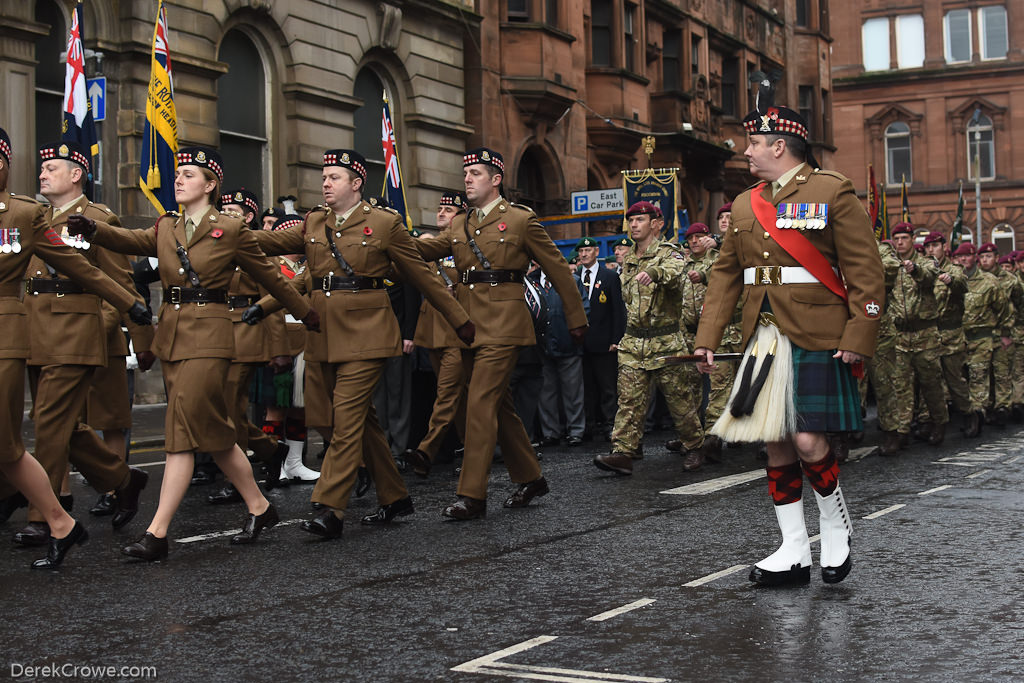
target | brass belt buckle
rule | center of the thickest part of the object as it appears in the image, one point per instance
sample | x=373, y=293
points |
x=175, y=293
x=767, y=275
x=326, y=283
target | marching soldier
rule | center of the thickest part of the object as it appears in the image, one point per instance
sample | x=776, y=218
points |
x=25, y=233
x=492, y=245
x=197, y=254
x=914, y=313
x=350, y=247
x=789, y=235
x=882, y=371
x=1018, y=347
x=652, y=273
x=1002, y=378
x=987, y=323
x=61, y=374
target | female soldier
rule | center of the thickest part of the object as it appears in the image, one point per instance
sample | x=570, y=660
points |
x=197, y=252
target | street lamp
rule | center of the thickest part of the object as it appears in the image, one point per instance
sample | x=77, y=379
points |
x=975, y=120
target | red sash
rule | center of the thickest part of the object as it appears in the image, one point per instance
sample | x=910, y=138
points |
x=795, y=244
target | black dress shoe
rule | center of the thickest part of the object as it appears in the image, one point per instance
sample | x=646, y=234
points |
x=148, y=548
x=326, y=524
x=228, y=494
x=386, y=513
x=202, y=477
x=363, y=482
x=34, y=533
x=59, y=547
x=527, y=492
x=795, y=575
x=254, y=524
x=274, y=480
x=419, y=460
x=11, y=503
x=466, y=508
x=128, y=498
x=549, y=441
x=573, y=441
x=67, y=501
x=104, y=505
x=317, y=506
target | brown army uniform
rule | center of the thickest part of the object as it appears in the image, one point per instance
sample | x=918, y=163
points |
x=359, y=332
x=508, y=236
x=195, y=341
x=69, y=344
x=36, y=239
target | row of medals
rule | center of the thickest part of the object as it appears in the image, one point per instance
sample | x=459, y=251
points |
x=76, y=241
x=802, y=216
x=11, y=241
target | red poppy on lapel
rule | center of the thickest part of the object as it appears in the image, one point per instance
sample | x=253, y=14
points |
x=216, y=233
x=367, y=230
x=502, y=227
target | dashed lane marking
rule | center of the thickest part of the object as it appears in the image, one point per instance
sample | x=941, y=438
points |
x=1014, y=459
x=222, y=534
x=605, y=616
x=711, y=485
x=717, y=575
x=935, y=490
x=891, y=508
x=977, y=474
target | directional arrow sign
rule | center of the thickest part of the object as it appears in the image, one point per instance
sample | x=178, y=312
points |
x=97, y=90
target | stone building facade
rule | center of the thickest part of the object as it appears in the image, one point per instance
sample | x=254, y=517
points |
x=566, y=89
x=909, y=83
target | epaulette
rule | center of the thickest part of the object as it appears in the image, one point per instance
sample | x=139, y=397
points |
x=835, y=174
x=102, y=207
x=524, y=207
x=25, y=198
x=156, y=226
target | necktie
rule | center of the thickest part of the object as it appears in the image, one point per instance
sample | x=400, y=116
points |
x=480, y=215
x=586, y=277
x=190, y=229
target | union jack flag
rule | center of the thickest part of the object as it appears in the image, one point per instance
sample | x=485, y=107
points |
x=394, y=190
x=78, y=124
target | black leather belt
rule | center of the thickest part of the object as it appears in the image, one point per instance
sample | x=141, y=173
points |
x=354, y=283
x=977, y=333
x=651, y=332
x=53, y=286
x=242, y=301
x=195, y=295
x=472, y=277
x=946, y=327
x=915, y=325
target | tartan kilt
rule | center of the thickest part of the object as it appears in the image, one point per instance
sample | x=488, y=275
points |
x=826, y=395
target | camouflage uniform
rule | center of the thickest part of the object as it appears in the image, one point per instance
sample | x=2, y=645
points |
x=987, y=316
x=653, y=315
x=1002, y=370
x=952, y=344
x=889, y=393
x=1018, y=353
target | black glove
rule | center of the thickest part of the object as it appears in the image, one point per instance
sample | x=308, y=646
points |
x=81, y=225
x=312, y=320
x=139, y=314
x=252, y=315
x=145, y=359
x=467, y=333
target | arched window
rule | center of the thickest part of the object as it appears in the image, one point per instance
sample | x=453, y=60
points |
x=1004, y=237
x=531, y=185
x=49, y=75
x=370, y=89
x=897, y=153
x=981, y=148
x=242, y=115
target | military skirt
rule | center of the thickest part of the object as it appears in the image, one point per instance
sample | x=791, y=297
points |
x=197, y=406
x=826, y=398
x=109, y=406
x=12, y=407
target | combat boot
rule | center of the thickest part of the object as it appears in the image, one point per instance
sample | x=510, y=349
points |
x=938, y=434
x=835, y=536
x=1001, y=416
x=891, y=443
x=973, y=427
x=712, y=448
x=791, y=563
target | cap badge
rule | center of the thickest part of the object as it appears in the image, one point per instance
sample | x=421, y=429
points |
x=345, y=158
x=201, y=157
x=239, y=197
x=63, y=150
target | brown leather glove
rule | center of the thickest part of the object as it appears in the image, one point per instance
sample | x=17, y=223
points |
x=81, y=225
x=312, y=320
x=578, y=334
x=145, y=359
x=467, y=333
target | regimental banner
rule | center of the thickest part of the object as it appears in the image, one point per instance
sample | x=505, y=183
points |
x=160, y=136
x=659, y=186
x=78, y=124
x=394, y=189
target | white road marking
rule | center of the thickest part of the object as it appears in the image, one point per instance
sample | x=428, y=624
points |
x=717, y=575
x=475, y=664
x=936, y=489
x=712, y=485
x=605, y=616
x=222, y=534
x=958, y=464
x=977, y=474
x=814, y=539
x=891, y=508
x=861, y=453
x=1014, y=459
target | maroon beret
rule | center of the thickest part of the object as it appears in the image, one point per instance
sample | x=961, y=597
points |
x=964, y=249
x=726, y=208
x=642, y=208
x=698, y=229
x=902, y=228
x=934, y=236
x=988, y=248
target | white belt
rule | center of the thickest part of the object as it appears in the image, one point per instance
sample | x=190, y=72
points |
x=289, y=318
x=778, y=275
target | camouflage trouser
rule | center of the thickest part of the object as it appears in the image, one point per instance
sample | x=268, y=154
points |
x=680, y=384
x=721, y=386
x=954, y=383
x=926, y=369
x=979, y=371
x=889, y=392
x=1018, y=372
x=1002, y=376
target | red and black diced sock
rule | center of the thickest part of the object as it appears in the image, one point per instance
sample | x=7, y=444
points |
x=785, y=483
x=824, y=474
x=275, y=428
x=295, y=430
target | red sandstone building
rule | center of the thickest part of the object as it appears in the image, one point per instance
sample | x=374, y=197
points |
x=908, y=82
x=567, y=89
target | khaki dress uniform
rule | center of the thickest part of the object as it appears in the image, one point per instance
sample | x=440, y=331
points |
x=359, y=332
x=69, y=344
x=195, y=340
x=508, y=236
x=25, y=233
